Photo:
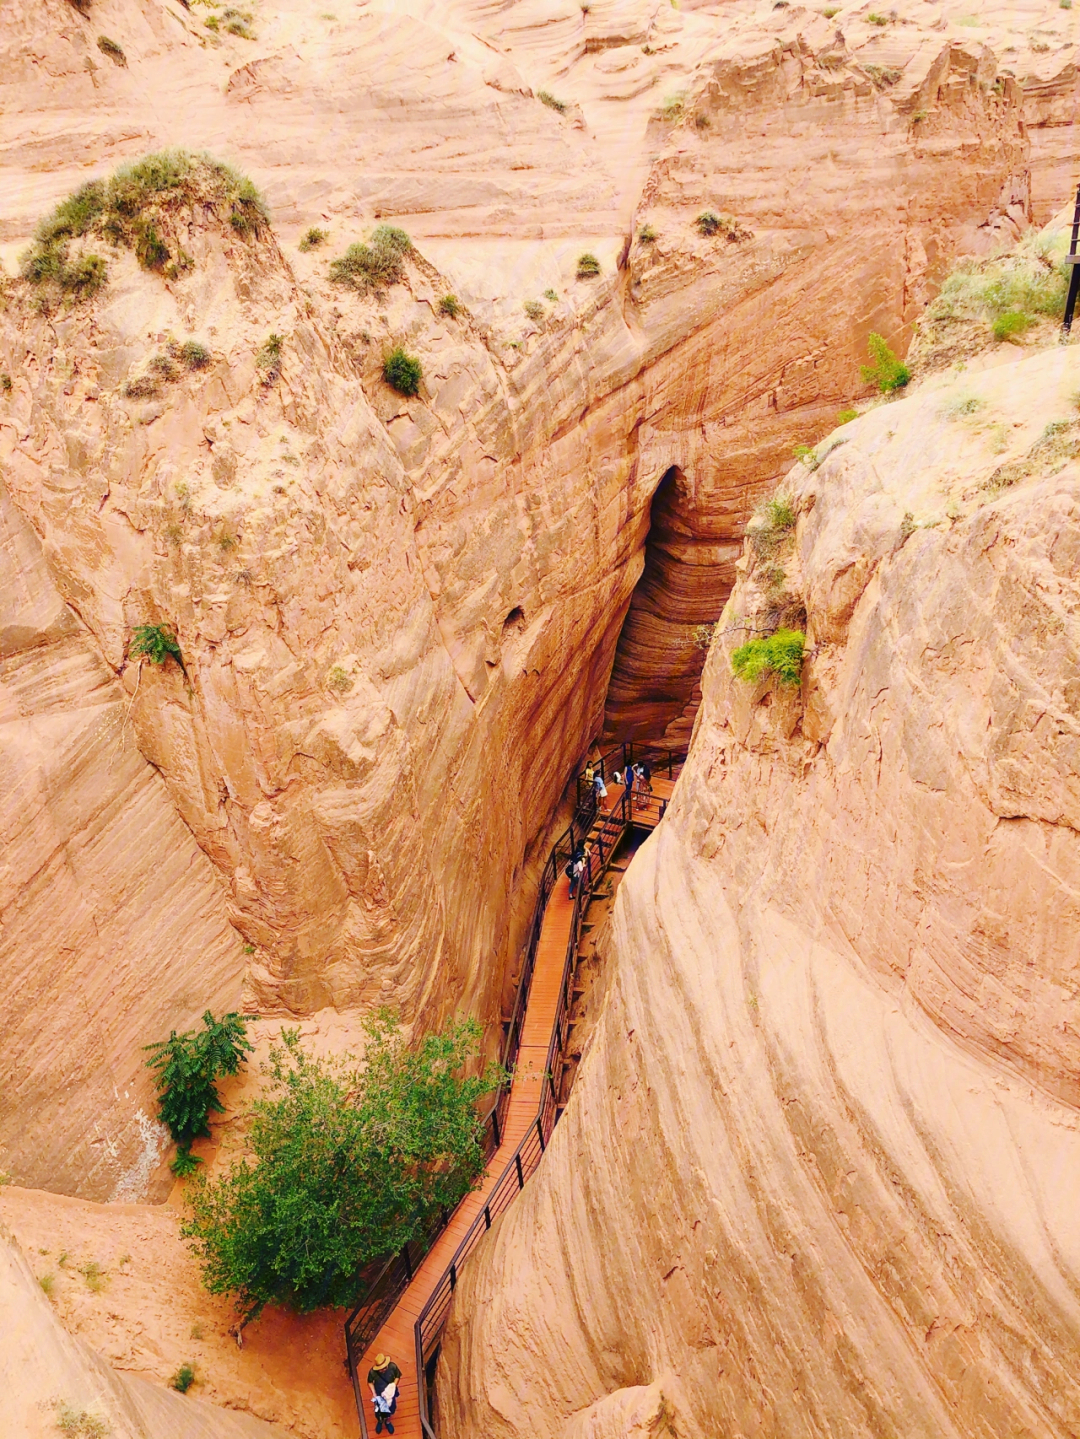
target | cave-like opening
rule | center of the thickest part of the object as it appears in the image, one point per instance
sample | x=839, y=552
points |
x=655, y=685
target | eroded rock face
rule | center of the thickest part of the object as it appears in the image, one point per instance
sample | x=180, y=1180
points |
x=815, y=1174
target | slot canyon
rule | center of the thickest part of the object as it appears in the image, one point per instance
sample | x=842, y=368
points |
x=812, y=1123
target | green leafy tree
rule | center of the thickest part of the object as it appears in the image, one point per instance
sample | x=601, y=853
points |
x=887, y=372
x=187, y=1067
x=349, y=1161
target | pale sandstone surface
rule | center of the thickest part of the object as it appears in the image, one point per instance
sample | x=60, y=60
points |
x=816, y=1176
x=152, y=1315
x=44, y=1366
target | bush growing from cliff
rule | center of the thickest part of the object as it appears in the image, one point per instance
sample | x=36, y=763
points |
x=774, y=518
x=349, y=1161
x=780, y=654
x=187, y=1067
x=112, y=50
x=1011, y=325
x=402, y=372
x=886, y=371
x=155, y=643
x=588, y=266
x=373, y=267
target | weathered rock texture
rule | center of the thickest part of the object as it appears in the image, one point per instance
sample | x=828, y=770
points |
x=398, y=616
x=816, y=1174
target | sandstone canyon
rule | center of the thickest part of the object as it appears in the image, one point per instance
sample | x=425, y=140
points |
x=815, y=1174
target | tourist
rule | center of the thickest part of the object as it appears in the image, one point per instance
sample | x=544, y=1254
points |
x=383, y=1377
x=600, y=788
x=575, y=867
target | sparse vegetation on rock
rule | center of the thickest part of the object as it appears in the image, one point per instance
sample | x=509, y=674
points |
x=268, y=359
x=313, y=238
x=130, y=209
x=547, y=98
x=183, y=1379
x=780, y=654
x=112, y=50
x=588, y=266
x=79, y=1423
x=450, y=305
x=348, y=1162
x=157, y=643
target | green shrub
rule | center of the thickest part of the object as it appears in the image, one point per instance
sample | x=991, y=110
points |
x=887, y=372
x=552, y=296
x=534, y=309
x=183, y=1379
x=313, y=238
x=112, y=49
x=348, y=1161
x=646, y=235
x=268, y=358
x=184, y=1163
x=155, y=643
x=373, y=267
x=588, y=266
x=151, y=250
x=546, y=98
x=96, y=1277
x=48, y=1285
x=774, y=519
x=845, y=417
x=238, y=22
x=780, y=654
x=402, y=372
x=807, y=454
x=708, y=223
x=1011, y=324
x=187, y=1067
x=672, y=108
x=5, y=384
x=877, y=19
x=450, y=305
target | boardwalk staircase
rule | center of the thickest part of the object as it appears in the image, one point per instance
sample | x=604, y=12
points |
x=406, y=1300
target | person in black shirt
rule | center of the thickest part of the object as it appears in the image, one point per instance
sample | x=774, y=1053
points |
x=383, y=1377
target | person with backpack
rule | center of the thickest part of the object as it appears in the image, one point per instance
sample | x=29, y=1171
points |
x=383, y=1378
x=575, y=867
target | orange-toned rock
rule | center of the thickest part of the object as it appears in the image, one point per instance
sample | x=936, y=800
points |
x=815, y=1174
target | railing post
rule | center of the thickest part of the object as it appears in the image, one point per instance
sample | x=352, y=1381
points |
x=408, y=1263
x=540, y=1130
x=487, y=1216
x=495, y=1124
x=521, y=1177
x=453, y=1277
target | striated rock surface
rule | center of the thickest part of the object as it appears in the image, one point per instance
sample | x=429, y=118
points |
x=816, y=1174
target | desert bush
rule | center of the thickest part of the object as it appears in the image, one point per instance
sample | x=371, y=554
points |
x=238, y=22
x=373, y=267
x=588, y=266
x=773, y=521
x=882, y=75
x=183, y=1379
x=845, y=417
x=5, y=383
x=268, y=358
x=780, y=654
x=80, y=1423
x=112, y=50
x=1011, y=325
x=348, y=1161
x=701, y=635
x=672, y=108
x=313, y=238
x=151, y=250
x=646, y=235
x=708, y=223
x=875, y=19
x=534, y=309
x=402, y=372
x=96, y=1277
x=547, y=98
x=552, y=296
x=450, y=305
x=886, y=371
x=48, y=1284
x=194, y=355
x=339, y=679
x=155, y=643
x=187, y=1067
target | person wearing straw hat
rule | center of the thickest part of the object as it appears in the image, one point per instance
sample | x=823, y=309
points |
x=383, y=1377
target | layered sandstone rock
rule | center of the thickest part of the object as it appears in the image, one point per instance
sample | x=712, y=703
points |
x=815, y=1176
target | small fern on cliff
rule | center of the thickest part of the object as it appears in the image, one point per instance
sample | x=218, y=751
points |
x=155, y=643
x=780, y=654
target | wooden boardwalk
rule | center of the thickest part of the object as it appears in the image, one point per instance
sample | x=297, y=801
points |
x=396, y=1338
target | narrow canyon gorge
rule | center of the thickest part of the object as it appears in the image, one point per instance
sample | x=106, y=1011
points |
x=813, y=1176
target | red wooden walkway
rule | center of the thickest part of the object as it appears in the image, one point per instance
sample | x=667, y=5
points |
x=396, y=1339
